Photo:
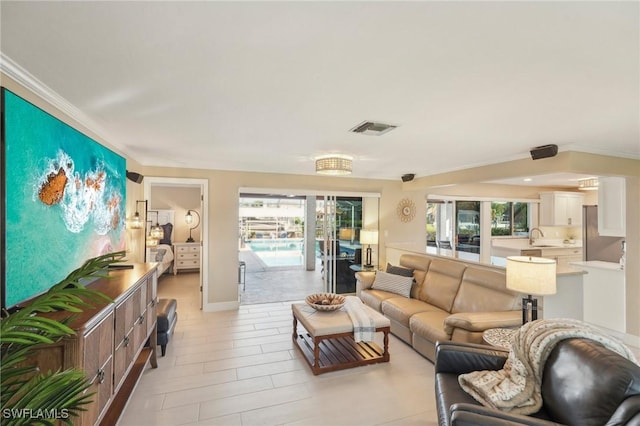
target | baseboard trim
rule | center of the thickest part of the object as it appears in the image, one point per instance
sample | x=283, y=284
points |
x=632, y=340
x=221, y=306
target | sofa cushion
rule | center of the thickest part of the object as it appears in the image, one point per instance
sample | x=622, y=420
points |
x=442, y=283
x=399, y=270
x=482, y=290
x=420, y=265
x=584, y=383
x=374, y=298
x=430, y=325
x=401, y=309
x=393, y=283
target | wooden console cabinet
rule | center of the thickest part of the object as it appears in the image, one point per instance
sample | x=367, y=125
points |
x=110, y=341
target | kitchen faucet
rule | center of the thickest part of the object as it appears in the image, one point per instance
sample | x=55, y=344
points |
x=531, y=240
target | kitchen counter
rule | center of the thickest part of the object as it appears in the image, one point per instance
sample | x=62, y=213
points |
x=523, y=244
x=604, y=294
x=597, y=264
x=563, y=254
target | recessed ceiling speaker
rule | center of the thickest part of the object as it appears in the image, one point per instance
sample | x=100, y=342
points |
x=544, y=151
x=408, y=177
x=135, y=177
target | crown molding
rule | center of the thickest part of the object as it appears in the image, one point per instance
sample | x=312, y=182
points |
x=27, y=80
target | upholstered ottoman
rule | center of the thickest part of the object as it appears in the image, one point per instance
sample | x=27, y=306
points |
x=167, y=318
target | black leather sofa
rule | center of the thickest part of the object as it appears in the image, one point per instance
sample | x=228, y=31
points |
x=583, y=384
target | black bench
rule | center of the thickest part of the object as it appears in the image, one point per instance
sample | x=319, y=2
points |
x=167, y=319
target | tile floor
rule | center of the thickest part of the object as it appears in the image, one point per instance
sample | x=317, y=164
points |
x=241, y=368
x=263, y=284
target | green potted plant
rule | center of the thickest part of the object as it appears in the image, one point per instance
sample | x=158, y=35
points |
x=28, y=395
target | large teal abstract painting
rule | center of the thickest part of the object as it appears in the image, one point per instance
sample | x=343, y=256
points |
x=64, y=199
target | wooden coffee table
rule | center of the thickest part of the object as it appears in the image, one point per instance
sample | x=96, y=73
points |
x=327, y=339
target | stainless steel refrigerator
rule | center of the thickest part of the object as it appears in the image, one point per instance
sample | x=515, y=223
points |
x=595, y=247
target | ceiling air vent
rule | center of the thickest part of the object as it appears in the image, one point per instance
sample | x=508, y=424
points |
x=372, y=128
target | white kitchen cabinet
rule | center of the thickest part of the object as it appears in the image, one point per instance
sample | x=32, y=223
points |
x=563, y=256
x=611, y=207
x=561, y=208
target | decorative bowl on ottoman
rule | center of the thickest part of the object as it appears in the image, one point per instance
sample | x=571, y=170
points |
x=325, y=301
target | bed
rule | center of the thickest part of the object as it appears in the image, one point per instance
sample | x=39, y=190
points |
x=163, y=251
x=163, y=254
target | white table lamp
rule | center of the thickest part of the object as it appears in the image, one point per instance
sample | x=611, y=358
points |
x=531, y=276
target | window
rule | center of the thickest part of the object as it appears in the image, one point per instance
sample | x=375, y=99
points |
x=468, y=226
x=461, y=228
x=439, y=220
x=509, y=218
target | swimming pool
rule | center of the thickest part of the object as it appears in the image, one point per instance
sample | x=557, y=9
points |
x=278, y=251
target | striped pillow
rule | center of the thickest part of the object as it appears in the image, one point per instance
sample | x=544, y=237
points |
x=393, y=283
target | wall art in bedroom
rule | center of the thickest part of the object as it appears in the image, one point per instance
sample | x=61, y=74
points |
x=63, y=199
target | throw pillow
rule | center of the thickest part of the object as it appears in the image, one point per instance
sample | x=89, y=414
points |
x=160, y=254
x=399, y=270
x=166, y=239
x=393, y=283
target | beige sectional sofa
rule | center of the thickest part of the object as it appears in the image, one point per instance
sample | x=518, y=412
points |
x=450, y=300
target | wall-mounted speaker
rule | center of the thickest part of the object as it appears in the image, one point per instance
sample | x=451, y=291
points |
x=135, y=177
x=544, y=151
x=408, y=177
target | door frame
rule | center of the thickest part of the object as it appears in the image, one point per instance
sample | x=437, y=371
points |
x=203, y=184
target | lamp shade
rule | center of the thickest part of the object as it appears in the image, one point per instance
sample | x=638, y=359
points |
x=369, y=236
x=346, y=233
x=334, y=165
x=531, y=275
x=136, y=221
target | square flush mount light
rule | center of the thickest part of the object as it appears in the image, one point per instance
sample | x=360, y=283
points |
x=334, y=165
x=372, y=128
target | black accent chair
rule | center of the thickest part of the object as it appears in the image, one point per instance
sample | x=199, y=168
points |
x=583, y=384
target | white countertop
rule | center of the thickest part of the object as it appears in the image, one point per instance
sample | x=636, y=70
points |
x=597, y=264
x=523, y=243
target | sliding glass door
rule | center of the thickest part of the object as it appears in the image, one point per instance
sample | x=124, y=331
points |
x=338, y=224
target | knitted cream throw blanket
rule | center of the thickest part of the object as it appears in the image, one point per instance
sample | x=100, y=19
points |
x=516, y=388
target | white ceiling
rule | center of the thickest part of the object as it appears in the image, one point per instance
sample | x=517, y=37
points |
x=267, y=86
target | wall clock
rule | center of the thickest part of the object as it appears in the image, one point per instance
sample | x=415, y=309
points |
x=406, y=210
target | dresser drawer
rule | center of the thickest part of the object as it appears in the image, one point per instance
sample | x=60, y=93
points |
x=183, y=264
x=187, y=249
x=188, y=256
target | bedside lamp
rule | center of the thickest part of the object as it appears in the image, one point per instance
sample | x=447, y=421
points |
x=368, y=236
x=189, y=220
x=531, y=276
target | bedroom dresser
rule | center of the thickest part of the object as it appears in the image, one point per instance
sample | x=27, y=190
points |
x=187, y=256
x=110, y=341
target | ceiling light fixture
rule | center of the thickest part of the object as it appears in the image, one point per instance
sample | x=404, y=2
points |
x=589, y=184
x=335, y=165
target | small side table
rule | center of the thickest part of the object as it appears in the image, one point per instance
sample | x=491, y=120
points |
x=499, y=337
x=356, y=267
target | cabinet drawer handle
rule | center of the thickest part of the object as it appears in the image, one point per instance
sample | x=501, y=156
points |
x=126, y=341
x=140, y=319
x=101, y=376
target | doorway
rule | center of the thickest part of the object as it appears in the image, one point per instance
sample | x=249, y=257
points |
x=282, y=246
x=183, y=197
